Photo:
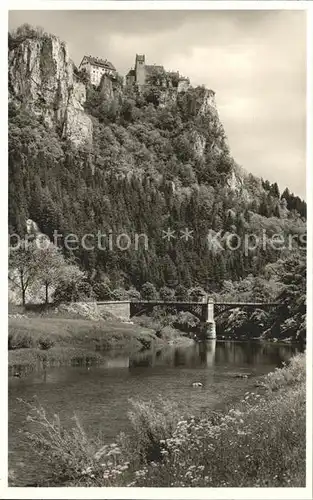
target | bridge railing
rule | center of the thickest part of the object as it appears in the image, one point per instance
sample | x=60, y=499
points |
x=191, y=302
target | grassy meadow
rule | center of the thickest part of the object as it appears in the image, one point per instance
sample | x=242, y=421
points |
x=38, y=342
x=39, y=339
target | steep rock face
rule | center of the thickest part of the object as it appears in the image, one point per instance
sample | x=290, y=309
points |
x=41, y=76
x=106, y=88
x=110, y=88
x=77, y=124
x=208, y=102
x=199, y=143
x=167, y=97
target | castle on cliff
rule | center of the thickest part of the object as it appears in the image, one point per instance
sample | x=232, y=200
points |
x=140, y=75
x=141, y=72
x=96, y=67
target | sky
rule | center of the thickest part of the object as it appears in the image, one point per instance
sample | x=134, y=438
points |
x=255, y=61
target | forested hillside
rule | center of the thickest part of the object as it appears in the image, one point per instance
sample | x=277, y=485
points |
x=141, y=161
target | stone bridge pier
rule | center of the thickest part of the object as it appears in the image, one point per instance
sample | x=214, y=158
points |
x=210, y=327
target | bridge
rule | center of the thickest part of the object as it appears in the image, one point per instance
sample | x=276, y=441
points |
x=206, y=311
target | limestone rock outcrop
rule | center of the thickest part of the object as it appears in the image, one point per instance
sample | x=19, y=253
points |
x=42, y=78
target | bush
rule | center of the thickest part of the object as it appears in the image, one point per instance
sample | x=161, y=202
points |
x=166, y=293
x=196, y=294
x=119, y=294
x=149, y=292
x=186, y=321
x=45, y=342
x=181, y=293
x=102, y=291
x=73, y=458
x=290, y=374
x=151, y=423
x=20, y=340
x=73, y=291
x=133, y=294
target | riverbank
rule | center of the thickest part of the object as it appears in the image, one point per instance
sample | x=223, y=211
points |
x=38, y=342
x=259, y=440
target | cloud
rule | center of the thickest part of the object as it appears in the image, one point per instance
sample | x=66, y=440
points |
x=254, y=60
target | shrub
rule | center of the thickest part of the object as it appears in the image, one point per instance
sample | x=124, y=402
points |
x=45, y=342
x=196, y=294
x=148, y=292
x=151, y=423
x=292, y=373
x=181, y=293
x=119, y=294
x=73, y=291
x=166, y=293
x=186, y=321
x=133, y=294
x=72, y=457
x=20, y=340
x=102, y=291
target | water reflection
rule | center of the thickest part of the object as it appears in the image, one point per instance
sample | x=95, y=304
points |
x=215, y=355
x=99, y=395
x=213, y=352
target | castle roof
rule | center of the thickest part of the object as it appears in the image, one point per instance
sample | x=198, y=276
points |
x=97, y=61
x=131, y=72
x=151, y=67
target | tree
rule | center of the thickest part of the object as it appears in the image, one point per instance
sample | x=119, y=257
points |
x=133, y=294
x=166, y=293
x=73, y=285
x=290, y=317
x=181, y=293
x=119, y=294
x=24, y=266
x=274, y=190
x=102, y=291
x=148, y=292
x=196, y=294
x=52, y=268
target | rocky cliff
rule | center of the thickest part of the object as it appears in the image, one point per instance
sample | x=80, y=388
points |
x=41, y=78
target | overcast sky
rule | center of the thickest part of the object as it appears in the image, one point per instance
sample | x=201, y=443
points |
x=255, y=61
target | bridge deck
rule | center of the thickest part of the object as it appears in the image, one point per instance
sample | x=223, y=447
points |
x=173, y=303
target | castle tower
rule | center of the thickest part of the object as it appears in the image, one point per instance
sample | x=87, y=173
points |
x=140, y=69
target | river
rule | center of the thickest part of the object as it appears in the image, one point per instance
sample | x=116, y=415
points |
x=100, y=395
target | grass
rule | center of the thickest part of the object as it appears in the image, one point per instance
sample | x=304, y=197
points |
x=259, y=442
x=35, y=342
x=43, y=336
